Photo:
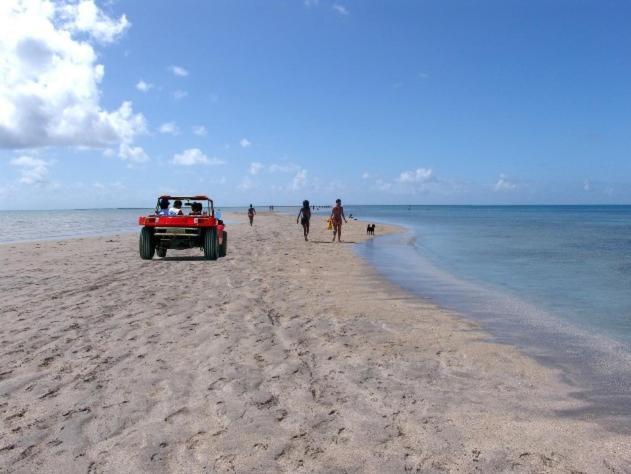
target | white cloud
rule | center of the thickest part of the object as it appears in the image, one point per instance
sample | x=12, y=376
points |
x=245, y=143
x=246, y=184
x=49, y=77
x=194, y=156
x=170, y=128
x=340, y=9
x=504, y=184
x=86, y=17
x=178, y=71
x=382, y=185
x=420, y=175
x=179, y=94
x=311, y=3
x=200, y=130
x=133, y=154
x=423, y=75
x=299, y=181
x=33, y=171
x=365, y=175
x=256, y=167
x=286, y=168
x=143, y=86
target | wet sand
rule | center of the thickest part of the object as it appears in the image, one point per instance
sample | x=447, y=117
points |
x=283, y=356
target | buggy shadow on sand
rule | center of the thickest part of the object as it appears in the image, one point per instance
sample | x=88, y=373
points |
x=190, y=228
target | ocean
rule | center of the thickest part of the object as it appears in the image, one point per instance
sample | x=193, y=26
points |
x=554, y=281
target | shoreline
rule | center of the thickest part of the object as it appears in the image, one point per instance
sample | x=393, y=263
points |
x=286, y=355
x=597, y=365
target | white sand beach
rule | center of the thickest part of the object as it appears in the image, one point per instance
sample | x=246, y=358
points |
x=285, y=356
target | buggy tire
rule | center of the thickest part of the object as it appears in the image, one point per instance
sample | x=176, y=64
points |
x=211, y=245
x=223, y=248
x=146, y=243
x=161, y=252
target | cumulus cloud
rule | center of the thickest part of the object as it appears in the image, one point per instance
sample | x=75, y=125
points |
x=504, y=184
x=33, y=171
x=194, y=156
x=200, y=130
x=169, y=127
x=143, y=86
x=86, y=17
x=245, y=143
x=256, y=167
x=49, y=77
x=133, y=154
x=178, y=71
x=420, y=175
x=340, y=9
x=299, y=181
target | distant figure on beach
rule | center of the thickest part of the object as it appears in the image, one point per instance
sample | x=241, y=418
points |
x=337, y=214
x=304, y=215
x=251, y=212
x=176, y=210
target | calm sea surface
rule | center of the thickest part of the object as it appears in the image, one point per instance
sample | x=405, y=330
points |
x=17, y=226
x=554, y=280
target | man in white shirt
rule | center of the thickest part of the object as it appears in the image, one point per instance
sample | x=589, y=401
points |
x=176, y=210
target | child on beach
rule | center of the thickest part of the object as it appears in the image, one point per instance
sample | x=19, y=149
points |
x=251, y=212
x=305, y=212
x=337, y=214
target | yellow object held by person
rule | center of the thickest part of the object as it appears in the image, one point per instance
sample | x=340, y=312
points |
x=329, y=224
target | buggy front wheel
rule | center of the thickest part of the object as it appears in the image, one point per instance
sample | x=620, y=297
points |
x=211, y=246
x=146, y=243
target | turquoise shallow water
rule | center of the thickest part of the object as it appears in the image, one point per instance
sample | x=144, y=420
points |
x=554, y=280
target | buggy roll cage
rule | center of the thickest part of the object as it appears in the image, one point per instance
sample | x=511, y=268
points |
x=209, y=202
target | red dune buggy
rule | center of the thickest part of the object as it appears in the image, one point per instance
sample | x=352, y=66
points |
x=182, y=222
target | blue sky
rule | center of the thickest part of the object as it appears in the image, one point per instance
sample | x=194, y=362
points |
x=499, y=102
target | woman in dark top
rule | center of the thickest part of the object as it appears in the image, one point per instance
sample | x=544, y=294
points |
x=251, y=212
x=304, y=216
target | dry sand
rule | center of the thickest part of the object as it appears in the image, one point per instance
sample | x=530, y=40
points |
x=284, y=356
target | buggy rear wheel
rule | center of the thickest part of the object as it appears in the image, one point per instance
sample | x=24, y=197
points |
x=161, y=252
x=146, y=243
x=223, y=248
x=211, y=246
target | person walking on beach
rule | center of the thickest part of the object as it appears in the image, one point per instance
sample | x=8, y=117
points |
x=337, y=214
x=251, y=212
x=304, y=215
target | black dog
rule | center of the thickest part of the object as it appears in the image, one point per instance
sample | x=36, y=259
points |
x=370, y=229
